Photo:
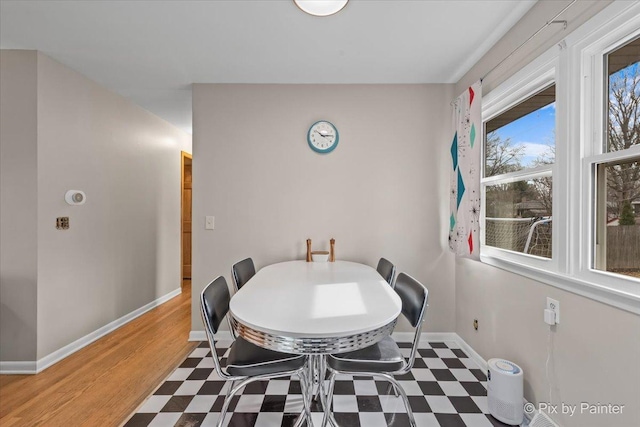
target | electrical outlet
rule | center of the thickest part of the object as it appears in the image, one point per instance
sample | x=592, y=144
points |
x=475, y=324
x=554, y=305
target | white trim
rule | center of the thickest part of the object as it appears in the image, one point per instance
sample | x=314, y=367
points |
x=69, y=349
x=614, y=156
x=519, y=9
x=521, y=175
x=202, y=336
x=615, y=26
x=541, y=73
x=425, y=336
x=473, y=355
x=17, y=368
x=198, y=336
x=615, y=297
x=48, y=360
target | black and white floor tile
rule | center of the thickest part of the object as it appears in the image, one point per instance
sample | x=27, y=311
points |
x=445, y=388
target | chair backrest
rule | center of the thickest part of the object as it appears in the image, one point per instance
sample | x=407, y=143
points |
x=414, y=297
x=242, y=271
x=387, y=270
x=214, y=305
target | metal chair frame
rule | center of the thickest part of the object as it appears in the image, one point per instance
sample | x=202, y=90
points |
x=408, y=365
x=303, y=373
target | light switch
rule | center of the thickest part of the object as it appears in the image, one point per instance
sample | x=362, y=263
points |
x=208, y=223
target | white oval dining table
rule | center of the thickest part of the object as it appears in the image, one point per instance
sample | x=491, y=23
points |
x=315, y=307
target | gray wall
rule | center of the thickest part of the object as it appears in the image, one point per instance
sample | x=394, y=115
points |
x=596, y=348
x=380, y=193
x=18, y=205
x=122, y=250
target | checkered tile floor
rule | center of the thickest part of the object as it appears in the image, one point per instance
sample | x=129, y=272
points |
x=445, y=388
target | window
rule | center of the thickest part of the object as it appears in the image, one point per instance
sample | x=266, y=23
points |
x=561, y=168
x=617, y=180
x=519, y=154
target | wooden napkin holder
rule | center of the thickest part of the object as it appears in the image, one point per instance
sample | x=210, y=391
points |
x=332, y=250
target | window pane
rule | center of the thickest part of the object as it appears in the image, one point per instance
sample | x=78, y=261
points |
x=523, y=136
x=518, y=216
x=618, y=227
x=623, y=130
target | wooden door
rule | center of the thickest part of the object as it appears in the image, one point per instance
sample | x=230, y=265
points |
x=186, y=215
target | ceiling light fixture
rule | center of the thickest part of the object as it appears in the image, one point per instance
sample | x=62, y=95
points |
x=321, y=7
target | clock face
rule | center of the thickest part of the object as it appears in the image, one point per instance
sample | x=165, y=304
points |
x=322, y=137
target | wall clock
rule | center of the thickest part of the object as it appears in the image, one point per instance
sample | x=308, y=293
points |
x=323, y=137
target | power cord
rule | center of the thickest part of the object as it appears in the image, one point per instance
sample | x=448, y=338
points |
x=549, y=345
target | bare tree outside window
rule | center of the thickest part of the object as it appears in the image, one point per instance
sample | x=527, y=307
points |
x=618, y=228
x=623, y=132
x=501, y=155
x=518, y=212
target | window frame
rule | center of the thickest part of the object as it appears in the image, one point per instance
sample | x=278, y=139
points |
x=539, y=75
x=591, y=54
x=577, y=64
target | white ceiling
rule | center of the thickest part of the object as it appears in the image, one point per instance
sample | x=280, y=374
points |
x=151, y=51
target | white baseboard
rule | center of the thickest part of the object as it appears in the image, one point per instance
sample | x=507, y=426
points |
x=17, y=368
x=198, y=336
x=425, y=336
x=32, y=367
x=473, y=355
x=202, y=336
x=444, y=337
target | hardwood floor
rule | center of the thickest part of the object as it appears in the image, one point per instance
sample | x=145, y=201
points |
x=102, y=384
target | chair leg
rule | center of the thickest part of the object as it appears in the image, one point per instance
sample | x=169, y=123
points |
x=399, y=389
x=318, y=371
x=307, y=397
x=232, y=384
x=329, y=399
x=325, y=404
x=306, y=384
x=395, y=390
x=230, y=393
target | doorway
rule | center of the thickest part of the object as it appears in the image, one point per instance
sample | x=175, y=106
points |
x=185, y=222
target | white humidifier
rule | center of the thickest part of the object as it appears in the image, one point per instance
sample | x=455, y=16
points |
x=505, y=391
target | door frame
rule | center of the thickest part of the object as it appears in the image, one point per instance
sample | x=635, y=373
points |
x=184, y=155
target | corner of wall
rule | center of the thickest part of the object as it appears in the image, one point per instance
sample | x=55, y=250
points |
x=18, y=206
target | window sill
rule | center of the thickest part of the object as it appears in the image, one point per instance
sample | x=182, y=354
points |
x=628, y=300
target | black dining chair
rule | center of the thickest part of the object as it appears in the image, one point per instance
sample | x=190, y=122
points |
x=384, y=358
x=246, y=362
x=242, y=271
x=387, y=270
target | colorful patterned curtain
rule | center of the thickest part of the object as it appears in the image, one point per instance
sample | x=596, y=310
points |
x=464, y=222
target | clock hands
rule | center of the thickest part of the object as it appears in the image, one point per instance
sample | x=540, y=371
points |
x=322, y=135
